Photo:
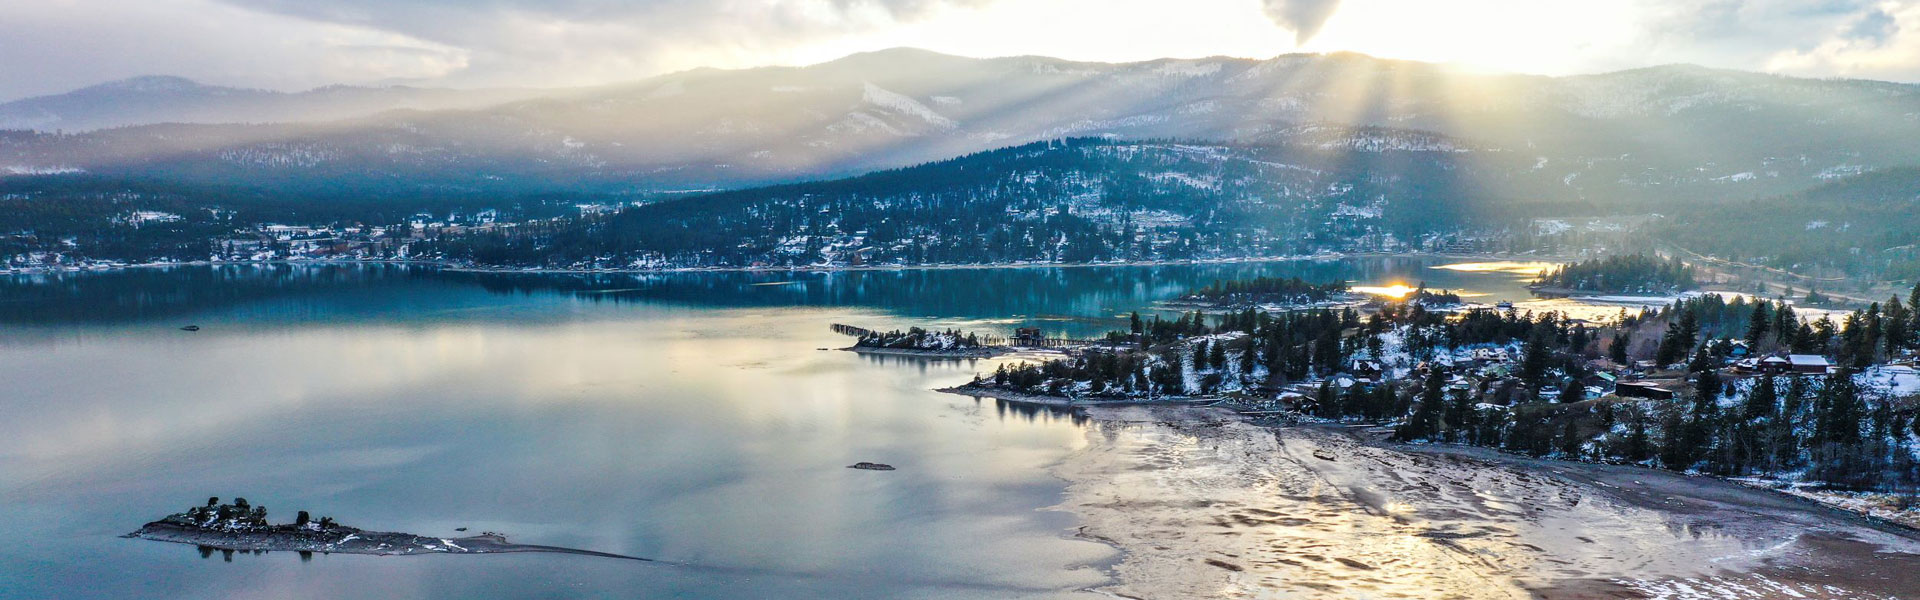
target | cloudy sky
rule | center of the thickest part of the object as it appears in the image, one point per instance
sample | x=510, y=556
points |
x=49, y=46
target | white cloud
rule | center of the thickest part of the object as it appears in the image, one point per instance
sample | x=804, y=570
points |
x=50, y=46
x=1802, y=37
x=1303, y=17
x=1883, y=44
x=571, y=42
x=54, y=45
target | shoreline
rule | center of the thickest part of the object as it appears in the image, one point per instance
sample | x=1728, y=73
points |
x=1208, y=503
x=1374, y=434
x=983, y=353
x=1065, y=402
x=462, y=268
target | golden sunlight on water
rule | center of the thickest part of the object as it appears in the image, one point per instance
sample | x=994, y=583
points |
x=1225, y=509
x=1530, y=269
x=1398, y=290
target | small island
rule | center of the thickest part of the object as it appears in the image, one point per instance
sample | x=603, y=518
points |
x=927, y=343
x=1426, y=298
x=243, y=527
x=1628, y=274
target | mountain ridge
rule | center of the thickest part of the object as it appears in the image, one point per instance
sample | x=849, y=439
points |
x=1659, y=132
x=163, y=99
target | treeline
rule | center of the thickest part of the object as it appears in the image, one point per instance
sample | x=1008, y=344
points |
x=1823, y=428
x=88, y=216
x=921, y=339
x=1637, y=273
x=1269, y=290
x=1861, y=338
x=1197, y=354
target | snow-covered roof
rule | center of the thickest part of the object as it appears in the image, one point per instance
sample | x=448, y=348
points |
x=1808, y=360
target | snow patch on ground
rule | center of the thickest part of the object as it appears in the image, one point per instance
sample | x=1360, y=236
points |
x=31, y=170
x=1200, y=182
x=1840, y=171
x=904, y=105
x=1895, y=380
x=1371, y=211
x=1188, y=69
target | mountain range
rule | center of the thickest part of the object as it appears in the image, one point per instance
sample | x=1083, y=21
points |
x=1663, y=133
x=1057, y=161
x=165, y=99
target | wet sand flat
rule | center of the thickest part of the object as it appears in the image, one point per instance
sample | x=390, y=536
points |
x=1208, y=505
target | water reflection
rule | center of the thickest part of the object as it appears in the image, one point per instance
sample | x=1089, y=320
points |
x=1071, y=300
x=1031, y=412
x=710, y=436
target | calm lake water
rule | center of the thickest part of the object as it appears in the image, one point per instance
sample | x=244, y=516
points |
x=686, y=417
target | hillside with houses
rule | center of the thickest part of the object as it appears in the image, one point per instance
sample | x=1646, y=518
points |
x=1708, y=384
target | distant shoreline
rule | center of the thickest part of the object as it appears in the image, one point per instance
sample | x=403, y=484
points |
x=460, y=268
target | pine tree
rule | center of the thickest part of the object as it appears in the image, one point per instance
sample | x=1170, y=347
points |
x=1762, y=400
x=1426, y=419
x=1839, y=411
x=1899, y=327
x=1701, y=361
x=1757, y=326
x=1675, y=451
x=1689, y=330
x=1671, y=349
x=1536, y=358
x=1570, y=440
x=1460, y=416
x=1639, y=446
x=1386, y=402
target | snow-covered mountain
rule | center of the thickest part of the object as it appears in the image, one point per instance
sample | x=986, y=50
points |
x=1659, y=133
x=164, y=99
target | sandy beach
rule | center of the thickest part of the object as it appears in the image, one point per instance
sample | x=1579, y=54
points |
x=1207, y=505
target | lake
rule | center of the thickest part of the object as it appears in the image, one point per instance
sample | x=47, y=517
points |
x=692, y=418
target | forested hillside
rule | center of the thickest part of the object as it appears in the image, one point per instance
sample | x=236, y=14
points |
x=1868, y=224
x=1076, y=200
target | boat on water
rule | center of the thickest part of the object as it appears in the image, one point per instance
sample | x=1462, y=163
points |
x=1503, y=305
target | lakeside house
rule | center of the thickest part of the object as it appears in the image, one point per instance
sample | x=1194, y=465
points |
x=1808, y=364
x=1792, y=364
x=1642, y=389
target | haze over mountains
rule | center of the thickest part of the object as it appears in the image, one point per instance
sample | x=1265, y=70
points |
x=165, y=99
x=1657, y=133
